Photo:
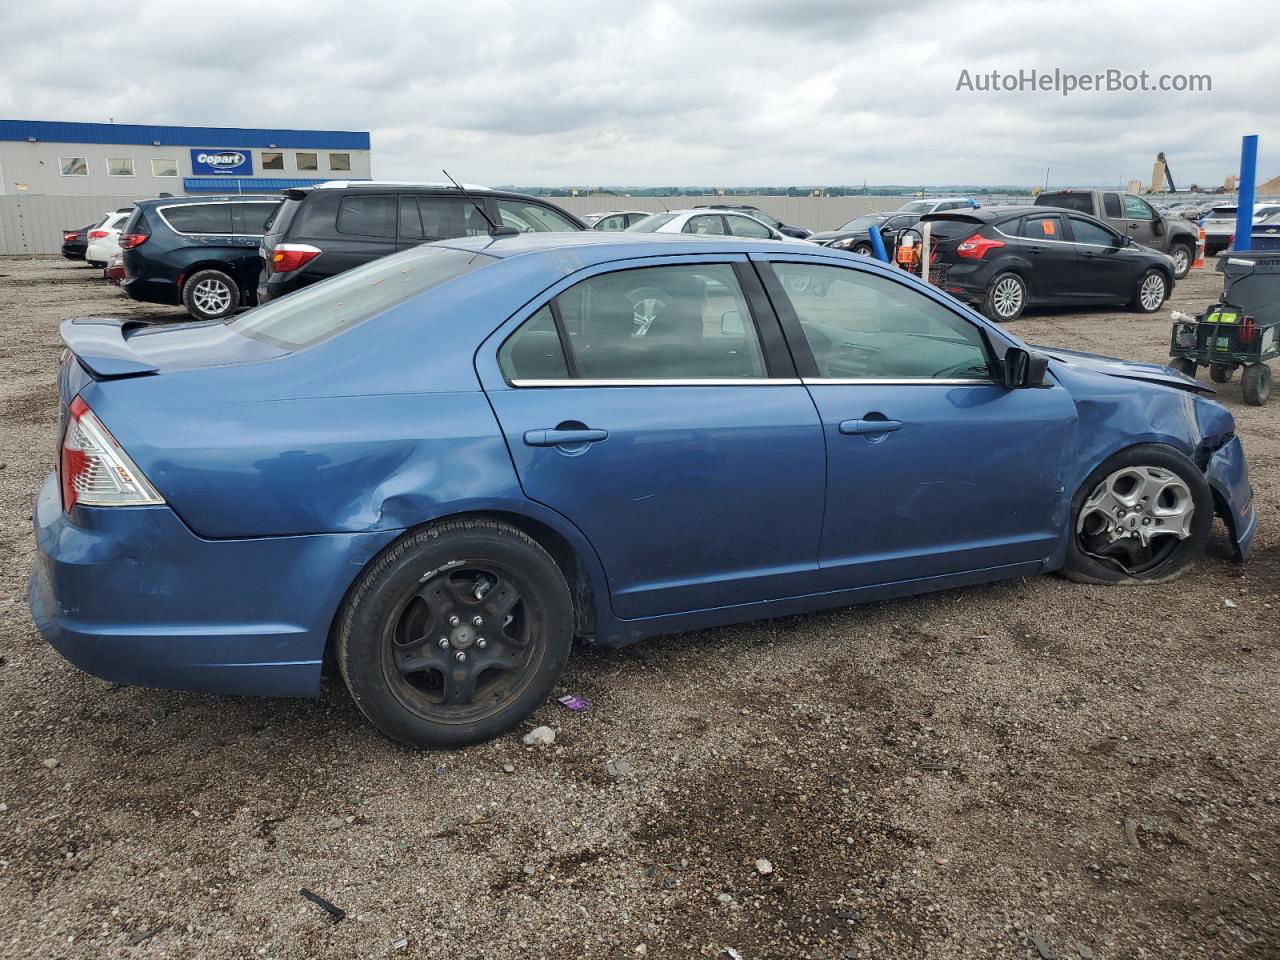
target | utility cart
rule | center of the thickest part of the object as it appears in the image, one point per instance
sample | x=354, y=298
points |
x=1241, y=330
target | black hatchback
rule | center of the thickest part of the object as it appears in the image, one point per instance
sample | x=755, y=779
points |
x=200, y=252
x=1003, y=259
x=324, y=230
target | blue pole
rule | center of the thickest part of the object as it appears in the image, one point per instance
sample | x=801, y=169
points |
x=1248, y=174
x=877, y=244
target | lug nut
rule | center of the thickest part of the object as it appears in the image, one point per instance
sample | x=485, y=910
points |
x=454, y=621
x=477, y=621
x=444, y=641
x=460, y=656
x=1146, y=521
x=482, y=643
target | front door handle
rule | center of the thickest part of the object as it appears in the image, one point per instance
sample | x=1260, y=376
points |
x=869, y=426
x=563, y=438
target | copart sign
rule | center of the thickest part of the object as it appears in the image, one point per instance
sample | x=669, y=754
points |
x=222, y=162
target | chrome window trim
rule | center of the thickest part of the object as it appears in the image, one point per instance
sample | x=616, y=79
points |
x=893, y=381
x=209, y=203
x=686, y=382
x=1069, y=243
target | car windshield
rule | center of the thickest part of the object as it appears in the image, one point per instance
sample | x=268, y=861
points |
x=313, y=313
x=650, y=224
x=1222, y=213
x=918, y=206
x=763, y=217
x=862, y=223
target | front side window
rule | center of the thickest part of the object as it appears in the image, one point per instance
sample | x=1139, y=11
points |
x=371, y=216
x=272, y=160
x=747, y=227
x=444, y=218
x=917, y=206
x=319, y=311
x=1135, y=208
x=765, y=218
x=119, y=166
x=532, y=217
x=199, y=218
x=706, y=225
x=685, y=322
x=339, y=161
x=164, y=167
x=307, y=161
x=859, y=224
x=1111, y=205
x=1086, y=231
x=74, y=166
x=861, y=326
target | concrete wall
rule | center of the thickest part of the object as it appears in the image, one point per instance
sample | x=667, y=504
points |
x=37, y=167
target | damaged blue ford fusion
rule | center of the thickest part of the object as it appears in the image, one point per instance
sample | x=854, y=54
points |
x=441, y=468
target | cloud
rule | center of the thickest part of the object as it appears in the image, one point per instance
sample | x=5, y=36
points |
x=694, y=92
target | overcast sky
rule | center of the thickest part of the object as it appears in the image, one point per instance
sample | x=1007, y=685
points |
x=591, y=92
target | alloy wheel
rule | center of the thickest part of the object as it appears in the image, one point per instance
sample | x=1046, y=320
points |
x=1006, y=298
x=1135, y=518
x=1151, y=294
x=1181, y=261
x=211, y=296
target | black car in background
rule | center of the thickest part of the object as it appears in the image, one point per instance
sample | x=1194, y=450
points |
x=75, y=241
x=856, y=236
x=200, y=252
x=800, y=233
x=1003, y=259
x=323, y=230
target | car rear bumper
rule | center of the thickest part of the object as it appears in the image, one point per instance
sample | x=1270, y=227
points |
x=1228, y=475
x=150, y=290
x=131, y=595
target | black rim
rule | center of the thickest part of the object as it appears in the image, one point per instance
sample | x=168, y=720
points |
x=462, y=643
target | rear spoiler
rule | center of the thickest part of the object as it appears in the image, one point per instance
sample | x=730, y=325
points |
x=101, y=344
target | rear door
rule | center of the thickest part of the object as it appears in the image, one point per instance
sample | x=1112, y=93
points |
x=706, y=224
x=680, y=443
x=1044, y=241
x=934, y=468
x=362, y=228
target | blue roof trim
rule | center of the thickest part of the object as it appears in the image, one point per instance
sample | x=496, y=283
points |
x=57, y=131
x=245, y=184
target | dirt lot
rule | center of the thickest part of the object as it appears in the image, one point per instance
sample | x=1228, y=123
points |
x=1031, y=769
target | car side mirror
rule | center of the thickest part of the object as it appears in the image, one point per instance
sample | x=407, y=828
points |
x=731, y=324
x=1024, y=368
x=1157, y=226
x=1126, y=240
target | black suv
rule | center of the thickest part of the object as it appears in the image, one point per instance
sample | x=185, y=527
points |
x=200, y=252
x=323, y=230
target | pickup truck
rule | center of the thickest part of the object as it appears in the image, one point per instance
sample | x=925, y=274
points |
x=1131, y=215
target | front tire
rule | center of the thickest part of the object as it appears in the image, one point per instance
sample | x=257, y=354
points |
x=1143, y=516
x=1006, y=298
x=1151, y=292
x=1183, y=256
x=863, y=249
x=456, y=634
x=210, y=295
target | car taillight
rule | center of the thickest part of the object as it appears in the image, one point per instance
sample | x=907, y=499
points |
x=68, y=237
x=98, y=234
x=977, y=246
x=130, y=240
x=291, y=256
x=95, y=470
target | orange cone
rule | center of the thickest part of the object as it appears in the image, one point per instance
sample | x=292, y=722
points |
x=1199, y=262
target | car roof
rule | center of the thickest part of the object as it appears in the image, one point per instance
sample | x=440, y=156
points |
x=225, y=198
x=593, y=246
x=352, y=184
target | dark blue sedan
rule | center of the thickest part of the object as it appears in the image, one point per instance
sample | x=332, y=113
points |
x=442, y=467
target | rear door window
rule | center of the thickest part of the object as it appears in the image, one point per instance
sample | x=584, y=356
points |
x=410, y=221
x=251, y=218
x=199, y=218
x=707, y=225
x=444, y=218
x=1041, y=228
x=368, y=216
x=612, y=224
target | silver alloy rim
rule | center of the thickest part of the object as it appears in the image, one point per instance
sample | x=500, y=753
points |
x=211, y=296
x=1181, y=261
x=798, y=284
x=1007, y=297
x=644, y=313
x=1152, y=292
x=1135, y=516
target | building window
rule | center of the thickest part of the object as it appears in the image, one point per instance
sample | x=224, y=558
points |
x=339, y=161
x=74, y=166
x=307, y=161
x=164, y=168
x=119, y=166
x=272, y=160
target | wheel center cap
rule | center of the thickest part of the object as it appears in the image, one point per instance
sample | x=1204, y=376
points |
x=462, y=637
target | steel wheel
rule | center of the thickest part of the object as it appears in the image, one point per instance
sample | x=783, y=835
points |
x=459, y=645
x=1006, y=297
x=211, y=296
x=1151, y=292
x=1135, y=518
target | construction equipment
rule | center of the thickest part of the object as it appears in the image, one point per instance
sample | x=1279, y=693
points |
x=1159, y=174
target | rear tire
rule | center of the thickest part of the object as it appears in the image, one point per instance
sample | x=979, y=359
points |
x=1255, y=384
x=210, y=295
x=863, y=249
x=503, y=610
x=1151, y=292
x=1005, y=299
x=1221, y=372
x=1184, y=365
x=1172, y=555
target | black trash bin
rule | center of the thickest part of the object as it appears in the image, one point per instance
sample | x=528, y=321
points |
x=1251, y=281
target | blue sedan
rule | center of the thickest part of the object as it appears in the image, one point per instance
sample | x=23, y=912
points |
x=441, y=468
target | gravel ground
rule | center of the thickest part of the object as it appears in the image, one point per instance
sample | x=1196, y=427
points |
x=1031, y=769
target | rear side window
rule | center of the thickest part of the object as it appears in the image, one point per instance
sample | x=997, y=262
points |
x=199, y=217
x=444, y=218
x=651, y=223
x=316, y=312
x=1041, y=228
x=251, y=218
x=534, y=352
x=709, y=225
x=373, y=216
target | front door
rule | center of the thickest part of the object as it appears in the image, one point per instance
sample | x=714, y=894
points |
x=933, y=468
x=657, y=412
x=1107, y=270
x=1140, y=220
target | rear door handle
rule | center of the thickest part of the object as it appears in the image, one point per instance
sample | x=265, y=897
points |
x=563, y=438
x=869, y=426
